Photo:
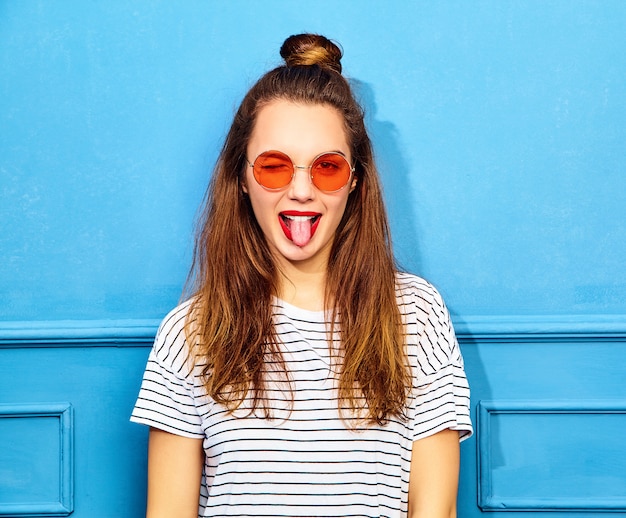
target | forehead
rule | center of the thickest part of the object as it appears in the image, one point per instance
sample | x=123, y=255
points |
x=301, y=130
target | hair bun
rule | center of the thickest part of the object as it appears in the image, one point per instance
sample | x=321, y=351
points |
x=311, y=49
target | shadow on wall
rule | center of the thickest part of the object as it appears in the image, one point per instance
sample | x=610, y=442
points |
x=480, y=389
x=394, y=173
x=406, y=230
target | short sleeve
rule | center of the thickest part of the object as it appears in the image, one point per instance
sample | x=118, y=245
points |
x=168, y=398
x=441, y=395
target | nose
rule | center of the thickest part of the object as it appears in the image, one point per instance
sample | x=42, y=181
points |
x=301, y=188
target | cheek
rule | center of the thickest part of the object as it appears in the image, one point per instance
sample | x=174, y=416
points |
x=263, y=202
x=339, y=209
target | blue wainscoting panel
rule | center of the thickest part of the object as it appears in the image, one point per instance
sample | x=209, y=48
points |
x=82, y=457
x=547, y=395
x=36, y=460
x=552, y=455
x=549, y=403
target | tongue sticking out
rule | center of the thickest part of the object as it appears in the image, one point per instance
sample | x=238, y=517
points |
x=301, y=231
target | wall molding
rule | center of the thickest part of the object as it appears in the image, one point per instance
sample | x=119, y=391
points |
x=54, y=333
x=509, y=492
x=64, y=506
x=480, y=328
x=540, y=328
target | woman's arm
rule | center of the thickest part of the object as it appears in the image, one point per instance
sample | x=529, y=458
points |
x=174, y=475
x=434, y=478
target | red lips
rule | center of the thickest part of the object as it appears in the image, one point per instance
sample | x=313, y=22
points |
x=299, y=226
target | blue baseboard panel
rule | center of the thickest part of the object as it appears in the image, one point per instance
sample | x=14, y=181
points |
x=37, y=460
x=551, y=455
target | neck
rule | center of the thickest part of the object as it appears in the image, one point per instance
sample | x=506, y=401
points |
x=303, y=285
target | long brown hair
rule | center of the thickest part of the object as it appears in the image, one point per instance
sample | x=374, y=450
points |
x=234, y=276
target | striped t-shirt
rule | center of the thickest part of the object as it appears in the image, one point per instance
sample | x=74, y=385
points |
x=305, y=462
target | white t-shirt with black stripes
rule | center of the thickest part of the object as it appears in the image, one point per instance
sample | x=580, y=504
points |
x=305, y=462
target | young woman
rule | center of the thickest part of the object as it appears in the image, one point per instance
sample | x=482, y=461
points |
x=305, y=376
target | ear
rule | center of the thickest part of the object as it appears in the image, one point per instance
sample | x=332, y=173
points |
x=244, y=187
x=353, y=184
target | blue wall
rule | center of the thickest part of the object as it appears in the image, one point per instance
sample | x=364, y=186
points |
x=500, y=130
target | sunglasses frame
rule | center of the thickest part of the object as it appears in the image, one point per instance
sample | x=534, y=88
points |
x=308, y=167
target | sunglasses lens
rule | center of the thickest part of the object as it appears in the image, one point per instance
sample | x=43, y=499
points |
x=273, y=169
x=330, y=172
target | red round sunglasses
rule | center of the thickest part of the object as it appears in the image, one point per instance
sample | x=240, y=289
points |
x=329, y=172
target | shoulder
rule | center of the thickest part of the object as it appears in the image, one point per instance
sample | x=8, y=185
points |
x=417, y=293
x=170, y=345
x=427, y=322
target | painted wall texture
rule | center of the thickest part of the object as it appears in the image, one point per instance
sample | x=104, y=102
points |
x=500, y=131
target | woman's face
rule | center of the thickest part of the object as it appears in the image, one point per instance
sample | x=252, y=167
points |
x=299, y=221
